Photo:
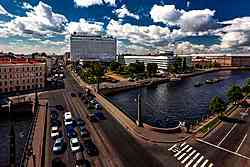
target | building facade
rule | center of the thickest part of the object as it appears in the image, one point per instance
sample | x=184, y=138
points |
x=163, y=60
x=21, y=74
x=92, y=48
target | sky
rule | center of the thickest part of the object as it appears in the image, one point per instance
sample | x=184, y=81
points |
x=140, y=26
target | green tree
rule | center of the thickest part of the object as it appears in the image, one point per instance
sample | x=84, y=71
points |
x=234, y=94
x=152, y=68
x=178, y=64
x=217, y=105
x=247, y=82
x=114, y=66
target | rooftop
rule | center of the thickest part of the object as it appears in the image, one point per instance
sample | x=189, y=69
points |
x=8, y=60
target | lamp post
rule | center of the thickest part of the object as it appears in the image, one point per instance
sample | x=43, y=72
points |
x=12, y=138
x=139, y=108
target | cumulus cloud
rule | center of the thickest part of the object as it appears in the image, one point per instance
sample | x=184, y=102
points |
x=39, y=21
x=188, y=21
x=234, y=39
x=85, y=26
x=27, y=6
x=87, y=3
x=4, y=11
x=123, y=12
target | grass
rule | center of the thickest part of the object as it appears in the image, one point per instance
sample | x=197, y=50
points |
x=210, y=125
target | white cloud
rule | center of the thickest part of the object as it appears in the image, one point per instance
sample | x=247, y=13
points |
x=123, y=12
x=85, y=26
x=87, y=3
x=188, y=21
x=234, y=39
x=4, y=11
x=27, y=6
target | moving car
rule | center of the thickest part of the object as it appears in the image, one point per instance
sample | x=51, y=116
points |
x=54, y=132
x=71, y=133
x=84, y=132
x=99, y=115
x=93, y=118
x=67, y=115
x=75, y=144
x=80, y=122
x=91, y=148
x=68, y=122
x=58, y=145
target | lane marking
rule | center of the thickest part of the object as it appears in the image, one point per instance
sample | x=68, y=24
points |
x=187, y=157
x=195, y=165
x=183, y=144
x=189, y=163
x=190, y=148
x=227, y=134
x=221, y=148
x=211, y=164
x=181, y=150
x=242, y=142
x=172, y=147
x=180, y=157
x=204, y=163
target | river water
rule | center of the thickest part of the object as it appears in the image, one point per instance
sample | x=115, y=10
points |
x=168, y=103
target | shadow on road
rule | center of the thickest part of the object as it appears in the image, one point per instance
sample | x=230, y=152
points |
x=231, y=120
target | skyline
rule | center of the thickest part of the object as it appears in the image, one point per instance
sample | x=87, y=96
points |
x=44, y=26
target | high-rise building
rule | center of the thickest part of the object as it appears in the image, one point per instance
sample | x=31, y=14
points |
x=92, y=47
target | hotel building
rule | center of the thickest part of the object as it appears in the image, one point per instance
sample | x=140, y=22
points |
x=21, y=74
x=92, y=47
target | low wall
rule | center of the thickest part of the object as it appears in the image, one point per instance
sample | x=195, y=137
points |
x=176, y=129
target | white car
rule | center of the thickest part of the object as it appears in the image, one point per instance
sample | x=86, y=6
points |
x=54, y=132
x=68, y=122
x=58, y=145
x=67, y=115
x=75, y=144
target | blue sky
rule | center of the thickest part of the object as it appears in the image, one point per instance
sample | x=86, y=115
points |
x=140, y=26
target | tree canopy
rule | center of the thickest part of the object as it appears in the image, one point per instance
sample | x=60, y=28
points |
x=114, y=66
x=217, y=105
x=152, y=68
x=234, y=94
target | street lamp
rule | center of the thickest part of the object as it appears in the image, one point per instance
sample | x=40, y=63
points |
x=12, y=138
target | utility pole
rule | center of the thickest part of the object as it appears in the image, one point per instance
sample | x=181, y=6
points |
x=12, y=138
x=139, y=120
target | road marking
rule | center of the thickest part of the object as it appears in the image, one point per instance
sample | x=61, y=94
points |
x=190, y=148
x=227, y=134
x=195, y=165
x=181, y=150
x=241, y=142
x=183, y=144
x=189, y=163
x=204, y=163
x=180, y=157
x=172, y=147
x=211, y=164
x=240, y=155
x=184, y=160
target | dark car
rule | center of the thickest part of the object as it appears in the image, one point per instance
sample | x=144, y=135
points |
x=93, y=118
x=73, y=95
x=91, y=148
x=54, y=116
x=99, y=115
x=71, y=133
x=80, y=122
x=79, y=94
x=59, y=107
x=57, y=162
x=55, y=123
x=84, y=132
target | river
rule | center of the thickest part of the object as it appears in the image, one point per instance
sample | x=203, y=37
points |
x=168, y=103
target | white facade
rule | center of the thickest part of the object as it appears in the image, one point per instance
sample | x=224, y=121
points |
x=163, y=60
x=92, y=48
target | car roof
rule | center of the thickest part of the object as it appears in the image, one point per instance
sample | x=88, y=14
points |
x=74, y=140
x=54, y=127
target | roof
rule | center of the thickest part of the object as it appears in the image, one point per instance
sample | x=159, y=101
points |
x=4, y=60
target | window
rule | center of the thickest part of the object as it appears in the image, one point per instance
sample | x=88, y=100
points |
x=5, y=76
x=0, y=83
x=36, y=79
x=23, y=81
x=5, y=70
x=28, y=87
x=23, y=87
x=11, y=89
x=5, y=83
x=17, y=82
x=10, y=76
x=1, y=90
x=6, y=89
x=9, y=69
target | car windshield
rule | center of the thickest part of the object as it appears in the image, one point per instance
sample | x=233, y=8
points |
x=75, y=144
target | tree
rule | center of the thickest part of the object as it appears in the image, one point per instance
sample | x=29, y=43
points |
x=234, y=94
x=135, y=68
x=217, y=105
x=247, y=82
x=114, y=66
x=178, y=64
x=152, y=68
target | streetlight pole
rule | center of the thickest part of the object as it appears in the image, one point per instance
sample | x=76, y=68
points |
x=12, y=138
x=139, y=120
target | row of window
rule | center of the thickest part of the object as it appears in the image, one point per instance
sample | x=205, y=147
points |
x=19, y=82
x=19, y=75
x=18, y=88
x=22, y=69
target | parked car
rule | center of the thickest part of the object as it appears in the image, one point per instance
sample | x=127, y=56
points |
x=71, y=133
x=68, y=122
x=54, y=116
x=55, y=123
x=91, y=148
x=59, y=107
x=75, y=144
x=57, y=162
x=67, y=115
x=84, y=132
x=80, y=122
x=98, y=106
x=58, y=145
x=93, y=101
x=80, y=94
x=93, y=118
x=99, y=115
x=54, y=132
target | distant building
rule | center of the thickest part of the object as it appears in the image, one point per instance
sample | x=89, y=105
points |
x=92, y=47
x=21, y=74
x=163, y=60
x=224, y=60
x=187, y=59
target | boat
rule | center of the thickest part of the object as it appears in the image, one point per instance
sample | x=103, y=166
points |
x=175, y=79
x=216, y=80
x=198, y=84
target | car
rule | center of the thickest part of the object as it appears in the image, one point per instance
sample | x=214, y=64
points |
x=57, y=162
x=99, y=115
x=80, y=94
x=53, y=112
x=84, y=132
x=68, y=122
x=54, y=132
x=55, y=123
x=58, y=145
x=90, y=148
x=93, y=101
x=75, y=144
x=73, y=95
x=80, y=161
x=59, y=107
x=80, y=122
x=71, y=133
x=54, y=116
x=93, y=118
x=67, y=115
x=98, y=106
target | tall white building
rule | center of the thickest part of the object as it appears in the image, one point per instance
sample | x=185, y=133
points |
x=92, y=47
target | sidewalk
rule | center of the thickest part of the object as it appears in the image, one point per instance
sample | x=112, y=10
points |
x=38, y=143
x=141, y=132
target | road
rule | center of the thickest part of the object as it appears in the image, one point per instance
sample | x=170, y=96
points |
x=117, y=147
